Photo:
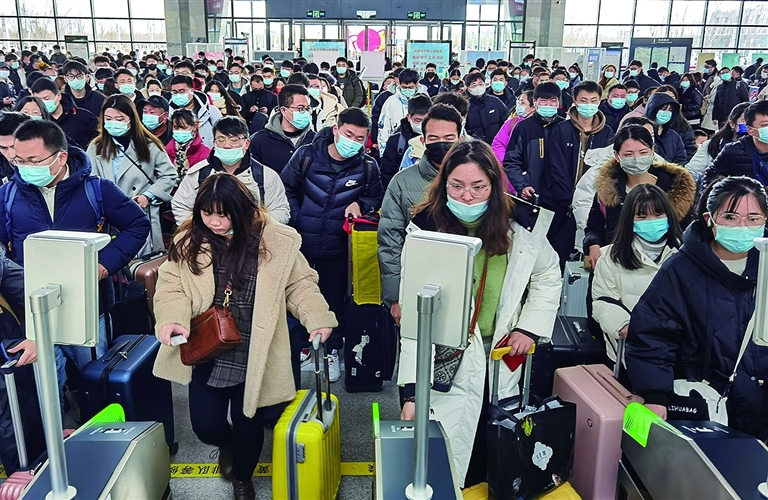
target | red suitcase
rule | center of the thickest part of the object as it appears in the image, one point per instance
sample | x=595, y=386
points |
x=600, y=403
x=15, y=485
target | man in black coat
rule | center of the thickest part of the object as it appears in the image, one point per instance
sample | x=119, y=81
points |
x=636, y=73
x=78, y=86
x=615, y=106
x=78, y=124
x=9, y=122
x=526, y=156
x=584, y=130
x=286, y=131
x=257, y=100
x=397, y=144
x=499, y=89
x=731, y=92
x=431, y=81
x=749, y=155
x=486, y=113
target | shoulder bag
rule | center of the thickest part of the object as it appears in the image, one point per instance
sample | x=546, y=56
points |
x=211, y=334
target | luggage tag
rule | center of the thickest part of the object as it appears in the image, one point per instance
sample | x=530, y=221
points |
x=513, y=362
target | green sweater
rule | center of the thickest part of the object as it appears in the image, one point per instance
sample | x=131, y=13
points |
x=494, y=281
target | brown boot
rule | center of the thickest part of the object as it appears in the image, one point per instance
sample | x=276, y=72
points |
x=244, y=490
x=225, y=462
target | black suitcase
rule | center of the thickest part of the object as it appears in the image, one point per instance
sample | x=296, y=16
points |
x=363, y=347
x=130, y=314
x=124, y=375
x=572, y=344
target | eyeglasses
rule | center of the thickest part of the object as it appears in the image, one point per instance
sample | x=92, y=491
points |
x=79, y=76
x=232, y=141
x=457, y=190
x=300, y=109
x=38, y=163
x=179, y=92
x=734, y=219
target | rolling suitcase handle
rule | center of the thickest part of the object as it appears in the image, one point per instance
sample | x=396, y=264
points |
x=318, y=384
x=13, y=403
x=496, y=355
x=619, y=358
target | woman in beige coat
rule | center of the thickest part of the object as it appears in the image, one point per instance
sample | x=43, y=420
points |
x=231, y=248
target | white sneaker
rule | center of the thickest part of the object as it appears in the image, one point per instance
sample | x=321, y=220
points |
x=334, y=370
x=306, y=356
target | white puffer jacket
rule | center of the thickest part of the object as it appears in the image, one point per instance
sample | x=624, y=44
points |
x=627, y=286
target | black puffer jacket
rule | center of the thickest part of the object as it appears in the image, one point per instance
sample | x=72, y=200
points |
x=507, y=97
x=485, y=117
x=738, y=158
x=670, y=144
x=79, y=124
x=319, y=194
x=91, y=101
x=397, y=145
x=273, y=148
x=690, y=102
x=613, y=116
x=727, y=96
x=527, y=150
x=378, y=103
x=690, y=323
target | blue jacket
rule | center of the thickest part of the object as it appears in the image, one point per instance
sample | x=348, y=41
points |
x=29, y=214
x=319, y=194
x=690, y=323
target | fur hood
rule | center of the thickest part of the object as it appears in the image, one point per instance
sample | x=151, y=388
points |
x=675, y=180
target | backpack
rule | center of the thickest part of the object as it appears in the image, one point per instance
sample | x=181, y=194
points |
x=256, y=171
x=92, y=193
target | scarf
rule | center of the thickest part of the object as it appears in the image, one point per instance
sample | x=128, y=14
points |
x=652, y=250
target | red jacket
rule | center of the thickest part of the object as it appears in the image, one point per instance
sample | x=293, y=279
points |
x=196, y=152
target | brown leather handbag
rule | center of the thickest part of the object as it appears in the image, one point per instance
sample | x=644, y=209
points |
x=211, y=334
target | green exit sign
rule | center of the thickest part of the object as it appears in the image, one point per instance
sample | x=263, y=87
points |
x=315, y=14
x=417, y=16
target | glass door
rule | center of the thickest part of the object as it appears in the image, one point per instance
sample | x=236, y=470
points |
x=365, y=37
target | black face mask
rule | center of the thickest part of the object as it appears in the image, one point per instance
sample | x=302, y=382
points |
x=152, y=67
x=436, y=152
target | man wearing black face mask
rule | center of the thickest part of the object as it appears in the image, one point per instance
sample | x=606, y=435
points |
x=440, y=130
x=430, y=80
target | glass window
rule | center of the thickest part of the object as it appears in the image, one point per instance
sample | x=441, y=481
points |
x=313, y=31
x=9, y=28
x=37, y=28
x=579, y=36
x=242, y=28
x=513, y=10
x=688, y=12
x=756, y=13
x=617, y=11
x=7, y=45
x=650, y=31
x=511, y=31
x=489, y=11
x=753, y=38
x=652, y=12
x=111, y=8
x=112, y=30
x=7, y=8
x=148, y=31
x=241, y=8
x=35, y=7
x=259, y=8
x=419, y=33
x=720, y=37
x=259, y=36
x=472, y=34
x=332, y=32
x=487, y=37
x=723, y=12
x=151, y=9
x=73, y=8
x=694, y=32
x=581, y=11
x=76, y=27
x=614, y=34
x=473, y=12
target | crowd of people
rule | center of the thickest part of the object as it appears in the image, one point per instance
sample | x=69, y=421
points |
x=656, y=179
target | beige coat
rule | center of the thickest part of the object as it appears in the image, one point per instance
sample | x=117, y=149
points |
x=285, y=282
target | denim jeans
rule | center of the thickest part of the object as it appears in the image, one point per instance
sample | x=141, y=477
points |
x=80, y=356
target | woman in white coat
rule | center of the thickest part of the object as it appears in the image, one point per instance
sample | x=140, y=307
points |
x=126, y=153
x=647, y=235
x=469, y=197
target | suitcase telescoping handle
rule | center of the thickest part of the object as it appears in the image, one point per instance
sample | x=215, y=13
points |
x=496, y=355
x=619, y=358
x=318, y=383
x=13, y=402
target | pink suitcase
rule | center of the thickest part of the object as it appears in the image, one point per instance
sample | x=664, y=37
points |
x=600, y=402
x=13, y=487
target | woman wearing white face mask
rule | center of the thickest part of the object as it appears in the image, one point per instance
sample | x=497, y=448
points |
x=126, y=153
x=633, y=163
x=468, y=196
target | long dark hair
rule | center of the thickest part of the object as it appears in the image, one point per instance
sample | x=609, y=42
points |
x=37, y=102
x=225, y=195
x=680, y=124
x=140, y=136
x=643, y=199
x=727, y=193
x=725, y=134
x=228, y=101
x=497, y=218
x=603, y=82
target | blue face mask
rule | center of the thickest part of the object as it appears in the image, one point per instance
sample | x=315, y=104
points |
x=182, y=136
x=116, y=129
x=347, y=148
x=618, y=102
x=161, y=67
x=408, y=93
x=738, y=239
x=341, y=70
x=285, y=73
x=268, y=81
x=127, y=88
x=587, y=110
x=520, y=110
x=685, y=84
x=498, y=86
x=300, y=119
x=663, y=117
x=561, y=84
x=229, y=156
x=150, y=121
x=235, y=78
x=51, y=105
x=633, y=73
x=100, y=86
x=39, y=175
x=651, y=230
x=180, y=99
x=547, y=111
x=742, y=129
x=467, y=213
x=763, y=137
x=609, y=74
x=725, y=77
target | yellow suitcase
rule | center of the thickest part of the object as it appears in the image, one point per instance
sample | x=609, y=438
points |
x=306, y=454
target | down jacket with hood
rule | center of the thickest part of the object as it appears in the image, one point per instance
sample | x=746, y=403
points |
x=405, y=190
x=613, y=116
x=738, y=158
x=351, y=86
x=273, y=148
x=611, y=187
x=533, y=269
x=525, y=159
x=690, y=324
x=670, y=144
x=485, y=117
x=397, y=144
x=319, y=194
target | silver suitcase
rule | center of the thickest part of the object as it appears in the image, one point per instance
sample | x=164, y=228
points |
x=573, y=301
